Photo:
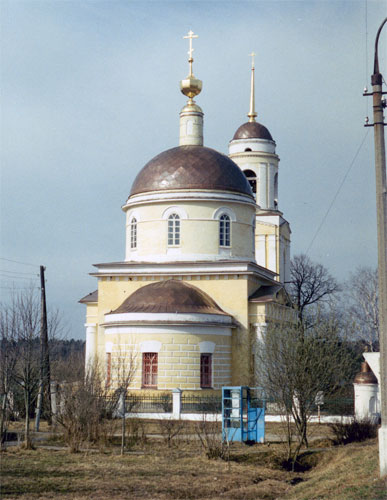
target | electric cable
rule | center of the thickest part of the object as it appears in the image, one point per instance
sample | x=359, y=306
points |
x=337, y=192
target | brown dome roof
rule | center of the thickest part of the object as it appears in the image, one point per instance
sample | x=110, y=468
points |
x=170, y=296
x=252, y=130
x=191, y=167
x=366, y=375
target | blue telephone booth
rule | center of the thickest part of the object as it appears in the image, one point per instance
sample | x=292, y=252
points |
x=243, y=414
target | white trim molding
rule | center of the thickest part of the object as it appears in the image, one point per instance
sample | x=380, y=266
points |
x=169, y=329
x=133, y=214
x=188, y=195
x=150, y=346
x=224, y=210
x=154, y=318
x=175, y=210
x=207, y=347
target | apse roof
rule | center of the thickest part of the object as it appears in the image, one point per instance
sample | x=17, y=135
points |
x=90, y=297
x=169, y=296
x=191, y=167
x=265, y=293
x=252, y=130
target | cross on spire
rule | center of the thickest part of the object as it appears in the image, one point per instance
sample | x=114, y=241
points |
x=252, y=114
x=252, y=55
x=190, y=36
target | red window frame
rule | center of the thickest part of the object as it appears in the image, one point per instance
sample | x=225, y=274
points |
x=149, y=370
x=206, y=370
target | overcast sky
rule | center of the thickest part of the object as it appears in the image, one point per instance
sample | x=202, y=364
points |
x=90, y=93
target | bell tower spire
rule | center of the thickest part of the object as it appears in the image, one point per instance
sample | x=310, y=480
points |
x=252, y=114
x=191, y=116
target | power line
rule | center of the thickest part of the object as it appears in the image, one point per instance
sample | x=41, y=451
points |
x=16, y=277
x=17, y=272
x=18, y=288
x=337, y=192
x=19, y=262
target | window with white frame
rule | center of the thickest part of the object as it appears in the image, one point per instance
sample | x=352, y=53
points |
x=173, y=230
x=224, y=231
x=133, y=233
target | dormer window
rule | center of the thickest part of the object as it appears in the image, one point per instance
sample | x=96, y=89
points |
x=173, y=230
x=224, y=231
x=133, y=233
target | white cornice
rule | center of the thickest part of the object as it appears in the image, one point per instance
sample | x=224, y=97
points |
x=157, y=328
x=167, y=318
x=179, y=196
x=182, y=269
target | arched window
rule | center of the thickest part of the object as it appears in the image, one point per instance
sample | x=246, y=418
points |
x=133, y=233
x=224, y=231
x=173, y=230
x=252, y=178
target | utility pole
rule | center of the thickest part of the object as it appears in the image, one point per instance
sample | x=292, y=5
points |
x=381, y=207
x=44, y=383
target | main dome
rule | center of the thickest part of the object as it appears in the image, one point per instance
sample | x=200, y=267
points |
x=191, y=167
x=252, y=130
x=170, y=296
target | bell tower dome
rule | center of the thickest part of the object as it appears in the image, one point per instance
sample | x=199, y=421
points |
x=253, y=149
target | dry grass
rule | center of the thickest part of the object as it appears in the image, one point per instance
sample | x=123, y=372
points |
x=156, y=472
x=153, y=470
x=344, y=473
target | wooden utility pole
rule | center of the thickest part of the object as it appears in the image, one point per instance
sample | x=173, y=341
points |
x=44, y=383
x=381, y=207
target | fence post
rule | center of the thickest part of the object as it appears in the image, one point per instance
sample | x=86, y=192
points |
x=54, y=406
x=176, y=403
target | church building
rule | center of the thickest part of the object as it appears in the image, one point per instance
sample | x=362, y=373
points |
x=207, y=255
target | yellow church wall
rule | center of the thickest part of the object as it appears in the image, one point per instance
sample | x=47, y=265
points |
x=92, y=312
x=265, y=228
x=178, y=359
x=200, y=221
x=270, y=311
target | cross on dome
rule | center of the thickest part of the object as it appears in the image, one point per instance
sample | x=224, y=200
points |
x=190, y=37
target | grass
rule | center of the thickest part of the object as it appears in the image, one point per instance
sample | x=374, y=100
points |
x=152, y=470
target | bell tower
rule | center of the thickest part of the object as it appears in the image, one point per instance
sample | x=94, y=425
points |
x=254, y=150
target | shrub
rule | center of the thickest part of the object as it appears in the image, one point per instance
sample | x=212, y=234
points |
x=211, y=440
x=354, y=431
x=170, y=429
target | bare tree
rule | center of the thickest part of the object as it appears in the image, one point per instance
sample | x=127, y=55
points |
x=310, y=283
x=20, y=351
x=294, y=367
x=8, y=357
x=26, y=312
x=84, y=407
x=124, y=367
x=362, y=309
